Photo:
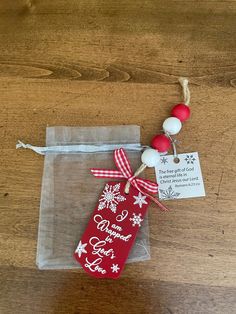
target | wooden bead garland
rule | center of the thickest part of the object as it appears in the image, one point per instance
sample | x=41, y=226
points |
x=161, y=143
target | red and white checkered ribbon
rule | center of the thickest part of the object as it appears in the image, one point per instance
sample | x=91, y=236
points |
x=124, y=171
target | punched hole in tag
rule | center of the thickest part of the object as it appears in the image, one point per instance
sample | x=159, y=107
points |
x=176, y=160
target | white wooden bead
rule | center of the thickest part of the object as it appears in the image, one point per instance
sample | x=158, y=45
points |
x=150, y=157
x=172, y=125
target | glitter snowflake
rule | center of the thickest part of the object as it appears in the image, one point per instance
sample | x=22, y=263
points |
x=136, y=220
x=190, y=159
x=164, y=160
x=81, y=248
x=168, y=194
x=140, y=200
x=111, y=197
x=115, y=268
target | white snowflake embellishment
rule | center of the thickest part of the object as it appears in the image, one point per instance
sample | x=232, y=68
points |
x=81, y=248
x=168, y=194
x=115, y=268
x=136, y=220
x=111, y=197
x=140, y=200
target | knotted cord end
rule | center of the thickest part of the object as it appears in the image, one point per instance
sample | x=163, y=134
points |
x=186, y=93
x=21, y=145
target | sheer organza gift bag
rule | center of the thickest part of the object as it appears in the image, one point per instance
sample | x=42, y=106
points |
x=70, y=192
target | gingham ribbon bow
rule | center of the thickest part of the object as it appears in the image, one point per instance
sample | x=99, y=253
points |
x=124, y=171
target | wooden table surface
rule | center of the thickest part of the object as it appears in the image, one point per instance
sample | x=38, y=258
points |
x=84, y=63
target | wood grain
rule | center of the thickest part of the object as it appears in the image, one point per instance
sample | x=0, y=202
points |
x=108, y=62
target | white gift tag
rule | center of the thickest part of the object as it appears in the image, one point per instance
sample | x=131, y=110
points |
x=180, y=180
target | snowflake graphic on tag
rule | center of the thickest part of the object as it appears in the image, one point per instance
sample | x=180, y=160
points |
x=111, y=231
x=181, y=179
x=111, y=197
x=168, y=194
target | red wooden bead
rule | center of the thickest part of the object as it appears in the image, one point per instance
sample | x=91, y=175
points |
x=181, y=111
x=161, y=143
